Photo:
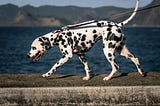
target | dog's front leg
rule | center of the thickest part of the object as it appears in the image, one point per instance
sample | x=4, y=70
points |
x=86, y=67
x=63, y=60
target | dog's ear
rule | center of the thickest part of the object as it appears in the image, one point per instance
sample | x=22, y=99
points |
x=45, y=42
x=42, y=41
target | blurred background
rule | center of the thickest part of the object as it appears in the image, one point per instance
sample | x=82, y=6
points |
x=59, y=13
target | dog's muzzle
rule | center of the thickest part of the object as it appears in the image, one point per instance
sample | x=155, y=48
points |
x=28, y=55
x=37, y=56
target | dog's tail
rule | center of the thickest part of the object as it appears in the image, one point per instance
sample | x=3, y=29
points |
x=131, y=17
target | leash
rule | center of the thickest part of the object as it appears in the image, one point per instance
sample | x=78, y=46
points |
x=111, y=17
x=128, y=12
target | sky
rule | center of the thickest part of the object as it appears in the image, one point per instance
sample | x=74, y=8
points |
x=81, y=3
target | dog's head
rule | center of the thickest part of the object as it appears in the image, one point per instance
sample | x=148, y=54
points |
x=42, y=44
x=38, y=47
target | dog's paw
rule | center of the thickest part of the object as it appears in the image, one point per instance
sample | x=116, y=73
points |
x=45, y=75
x=143, y=74
x=86, y=78
x=106, y=78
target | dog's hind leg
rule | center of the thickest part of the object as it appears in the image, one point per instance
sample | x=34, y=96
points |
x=83, y=59
x=109, y=49
x=123, y=51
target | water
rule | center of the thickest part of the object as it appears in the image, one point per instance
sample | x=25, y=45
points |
x=15, y=43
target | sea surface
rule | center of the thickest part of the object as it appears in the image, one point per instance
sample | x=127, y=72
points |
x=15, y=43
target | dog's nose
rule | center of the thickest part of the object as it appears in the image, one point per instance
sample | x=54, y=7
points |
x=28, y=55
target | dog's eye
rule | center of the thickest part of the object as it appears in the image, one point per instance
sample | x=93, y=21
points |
x=34, y=48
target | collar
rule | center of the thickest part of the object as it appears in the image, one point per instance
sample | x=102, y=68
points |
x=59, y=32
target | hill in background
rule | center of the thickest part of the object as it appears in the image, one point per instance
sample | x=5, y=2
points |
x=11, y=15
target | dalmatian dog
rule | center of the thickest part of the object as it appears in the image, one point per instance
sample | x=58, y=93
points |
x=81, y=39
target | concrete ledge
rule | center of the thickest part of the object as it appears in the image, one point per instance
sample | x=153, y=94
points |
x=116, y=95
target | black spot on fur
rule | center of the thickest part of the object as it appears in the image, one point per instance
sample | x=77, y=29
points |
x=116, y=66
x=116, y=25
x=45, y=42
x=103, y=45
x=66, y=51
x=83, y=44
x=57, y=62
x=115, y=38
x=90, y=41
x=122, y=44
x=119, y=30
x=51, y=39
x=76, y=43
x=95, y=36
x=63, y=33
x=109, y=25
x=122, y=24
x=99, y=24
x=119, y=48
x=75, y=38
x=70, y=41
x=65, y=46
x=129, y=55
x=44, y=38
x=114, y=60
x=108, y=29
x=109, y=33
x=40, y=39
x=83, y=38
x=99, y=38
x=69, y=33
x=49, y=73
x=63, y=56
x=79, y=34
x=94, y=31
x=46, y=47
x=110, y=45
x=102, y=23
x=62, y=40
x=138, y=66
x=109, y=54
x=108, y=36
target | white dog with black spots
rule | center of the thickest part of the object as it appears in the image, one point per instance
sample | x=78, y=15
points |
x=81, y=39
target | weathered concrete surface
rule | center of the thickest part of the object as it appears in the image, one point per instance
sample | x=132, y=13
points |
x=73, y=96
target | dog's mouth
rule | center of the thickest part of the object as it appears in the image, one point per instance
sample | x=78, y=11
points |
x=37, y=56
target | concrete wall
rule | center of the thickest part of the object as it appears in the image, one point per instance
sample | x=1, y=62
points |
x=131, y=95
